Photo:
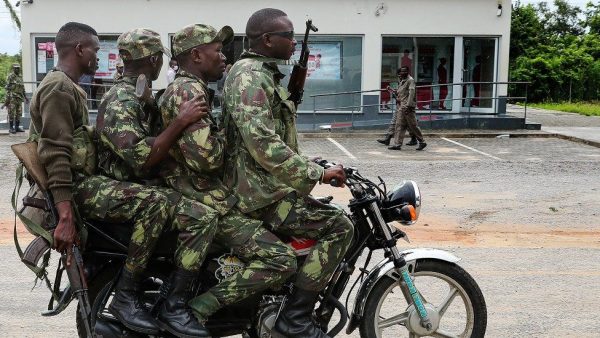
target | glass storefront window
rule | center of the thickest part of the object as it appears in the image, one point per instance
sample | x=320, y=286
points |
x=334, y=66
x=479, y=60
x=434, y=66
x=95, y=86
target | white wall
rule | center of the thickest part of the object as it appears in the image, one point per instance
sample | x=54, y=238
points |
x=402, y=17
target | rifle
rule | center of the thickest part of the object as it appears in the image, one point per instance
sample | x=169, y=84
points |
x=79, y=287
x=298, y=77
x=39, y=248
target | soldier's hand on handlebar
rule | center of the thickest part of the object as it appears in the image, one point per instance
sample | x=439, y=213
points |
x=193, y=110
x=65, y=234
x=335, y=173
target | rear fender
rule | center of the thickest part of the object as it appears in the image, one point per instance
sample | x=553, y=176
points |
x=386, y=268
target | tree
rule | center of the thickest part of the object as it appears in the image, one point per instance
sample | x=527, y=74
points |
x=556, y=51
x=563, y=21
x=13, y=14
x=527, y=31
x=592, y=18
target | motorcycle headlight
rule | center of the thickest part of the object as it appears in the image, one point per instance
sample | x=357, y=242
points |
x=403, y=203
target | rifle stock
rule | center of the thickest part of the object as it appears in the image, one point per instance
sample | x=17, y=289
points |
x=298, y=77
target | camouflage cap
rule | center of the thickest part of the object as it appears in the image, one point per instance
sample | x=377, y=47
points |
x=140, y=43
x=199, y=34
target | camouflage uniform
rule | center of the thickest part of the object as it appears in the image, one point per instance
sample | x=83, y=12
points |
x=270, y=178
x=199, y=156
x=15, y=95
x=125, y=146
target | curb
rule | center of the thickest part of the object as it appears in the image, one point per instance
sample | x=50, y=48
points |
x=459, y=135
x=433, y=135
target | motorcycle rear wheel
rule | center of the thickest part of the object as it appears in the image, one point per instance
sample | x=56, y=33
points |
x=442, y=285
x=99, y=291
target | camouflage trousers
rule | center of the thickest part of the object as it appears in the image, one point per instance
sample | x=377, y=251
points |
x=307, y=218
x=268, y=263
x=15, y=111
x=407, y=120
x=151, y=210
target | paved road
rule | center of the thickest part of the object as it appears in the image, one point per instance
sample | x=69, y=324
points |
x=522, y=213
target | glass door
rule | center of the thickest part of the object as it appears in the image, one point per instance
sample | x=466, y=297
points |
x=479, y=64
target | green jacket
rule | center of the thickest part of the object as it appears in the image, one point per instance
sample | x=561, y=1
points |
x=263, y=161
x=59, y=123
x=199, y=151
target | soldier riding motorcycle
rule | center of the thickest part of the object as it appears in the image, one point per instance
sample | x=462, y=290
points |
x=422, y=292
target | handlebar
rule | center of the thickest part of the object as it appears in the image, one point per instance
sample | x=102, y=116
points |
x=348, y=172
x=355, y=181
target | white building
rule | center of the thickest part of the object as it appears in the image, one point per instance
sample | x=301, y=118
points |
x=362, y=43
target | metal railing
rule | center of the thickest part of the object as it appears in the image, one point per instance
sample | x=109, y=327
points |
x=90, y=88
x=463, y=110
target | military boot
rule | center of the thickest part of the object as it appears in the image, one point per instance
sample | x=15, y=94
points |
x=412, y=142
x=295, y=320
x=129, y=308
x=18, y=129
x=11, y=128
x=175, y=316
x=385, y=140
x=422, y=146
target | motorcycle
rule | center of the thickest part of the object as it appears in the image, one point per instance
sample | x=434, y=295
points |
x=415, y=292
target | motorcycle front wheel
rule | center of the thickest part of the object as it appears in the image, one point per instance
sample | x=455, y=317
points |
x=451, y=296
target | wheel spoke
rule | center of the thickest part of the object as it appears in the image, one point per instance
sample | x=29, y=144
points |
x=449, y=298
x=396, y=320
x=443, y=334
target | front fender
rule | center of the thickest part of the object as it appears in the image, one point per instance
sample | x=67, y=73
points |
x=386, y=268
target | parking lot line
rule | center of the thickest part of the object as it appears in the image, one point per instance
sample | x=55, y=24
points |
x=344, y=150
x=472, y=149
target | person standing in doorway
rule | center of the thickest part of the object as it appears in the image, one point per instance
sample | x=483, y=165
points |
x=442, y=80
x=405, y=114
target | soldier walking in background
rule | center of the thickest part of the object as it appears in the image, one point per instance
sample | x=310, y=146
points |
x=405, y=112
x=392, y=127
x=15, y=95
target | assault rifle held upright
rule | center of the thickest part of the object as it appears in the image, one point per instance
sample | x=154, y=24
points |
x=296, y=84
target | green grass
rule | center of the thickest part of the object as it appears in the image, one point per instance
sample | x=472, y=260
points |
x=583, y=108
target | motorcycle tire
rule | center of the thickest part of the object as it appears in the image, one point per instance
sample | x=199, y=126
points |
x=427, y=273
